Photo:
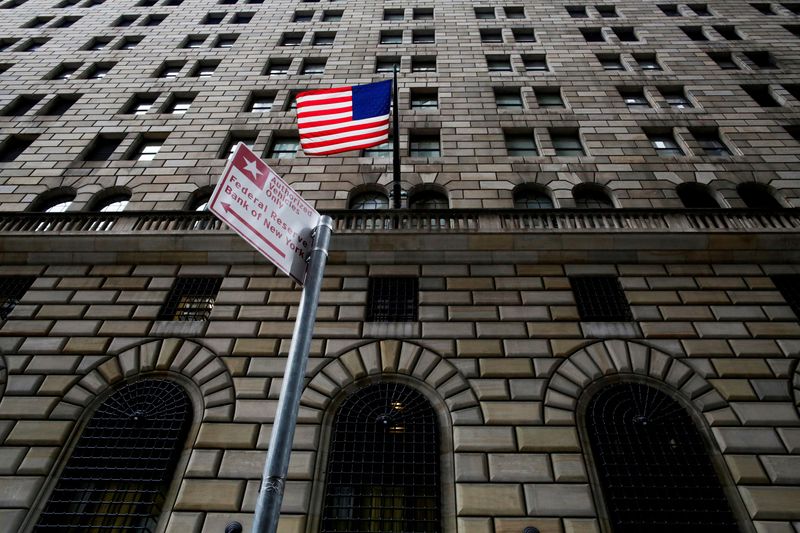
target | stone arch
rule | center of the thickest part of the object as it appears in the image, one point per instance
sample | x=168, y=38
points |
x=795, y=387
x=3, y=375
x=177, y=356
x=610, y=357
x=393, y=357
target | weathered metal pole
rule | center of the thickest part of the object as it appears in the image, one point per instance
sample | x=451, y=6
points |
x=268, y=505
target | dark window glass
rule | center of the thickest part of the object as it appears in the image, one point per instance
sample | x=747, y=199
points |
x=764, y=9
x=728, y=32
x=12, y=289
x=610, y=61
x=367, y=201
x=694, y=33
x=675, y=97
x=761, y=95
x=284, y=147
x=647, y=61
x=761, y=59
x=392, y=299
x=793, y=7
x=607, y=11
x=102, y=147
x=534, y=63
x=514, y=12
x=664, y=143
x=423, y=64
x=491, y=35
x=670, y=10
x=524, y=35
x=424, y=98
x=20, y=105
x=498, y=63
x=625, y=34
x=521, y=144
x=484, y=13
x=532, y=198
x=393, y=14
x=13, y=147
x=696, y=196
x=508, y=97
x=242, y=18
x=423, y=36
x=302, y=16
x=428, y=200
x=789, y=287
x=122, y=466
x=591, y=197
x=600, y=299
x=710, y=143
x=645, y=446
x=332, y=16
x=391, y=37
x=701, y=10
x=593, y=35
x=578, y=12
x=634, y=98
x=724, y=60
x=422, y=13
x=383, y=464
x=567, y=143
x=59, y=105
x=191, y=299
x=757, y=196
x=387, y=64
x=260, y=103
x=380, y=150
x=424, y=145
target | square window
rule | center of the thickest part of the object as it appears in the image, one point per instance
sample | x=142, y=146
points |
x=64, y=72
x=423, y=36
x=514, y=12
x=610, y=61
x=194, y=41
x=520, y=144
x=764, y=9
x=728, y=32
x=204, y=69
x=647, y=61
x=213, y=18
x=13, y=147
x=424, y=144
x=534, y=63
x=423, y=64
x=549, y=97
x=793, y=7
x=33, y=45
x=701, y=10
x=607, y=11
x=153, y=20
x=20, y=105
x=424, y=98
x=593, y=35
x=789, y=287
x=302, y=16
x=242, y=18
x=66, y=22
x=179, y=105
x=292, y=39
x=600, y=299
x=332, y=16
x=484, y=13
x=323, y=38
x=225, y=41
x=190, y=299
x=710, y=143
x=422, y=13
x=670, y=10
x=491, y=35
x=98, y=71
x=140, y=104
x=577, y=12
x=260, y=103
x=508, y=98
x=567, y=143
x=380, y=151
x=524, y=35
x=387, y=64
x=794, y=29
x=634, y=98
x=694, y=33
x=393, y=14
x=391, y=37
x=125, y=20
x=498, y=63
x=762, y=60
x=625, y=35
x=170, y=70
x=392, y=299
x=102, y=147
x=59, y=105
x=676, y=98
x=313, y=66
x=284, y=147
x=146, y=148
x=724, y=60
x=12, y=289
x=664, y=143
x=97, y=43
x=248, y=138
x=129, y=43
x=277, y=67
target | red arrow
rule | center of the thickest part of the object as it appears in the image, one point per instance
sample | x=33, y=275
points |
x=228, y=209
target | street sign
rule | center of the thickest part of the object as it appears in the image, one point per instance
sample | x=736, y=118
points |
x=258, y=205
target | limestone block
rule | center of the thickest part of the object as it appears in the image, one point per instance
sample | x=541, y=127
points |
x=547, y=439
x=184, y=522
x=475, y=525
x=746, y=469
x=550, y=330
x=227, y=435
x=772, y=503
x=210, y=495
x=527, y=389
x=517, y=525
x=53, y=364
x=38, y=461
x=39, y=432
x=506, y=368
x=11, y=519
x=526, y=348
x=766, y=413
x=568, y=468
x=10, y=458
x=773, y=527
x=489, y=499
x=747, y=440
x=734, y=389
x=483, y=439
x=511, y=412
x=782, y=469
x=504, y=330
x=649, y=297
x=479, y=348
x=471, y=467
x=559, y=500
x=772, y=389
x=490, y=389
x=203, y=463
x=746, y=368
x=519, y=467
x=18, y=491
x=581, y=525
x=790, y=438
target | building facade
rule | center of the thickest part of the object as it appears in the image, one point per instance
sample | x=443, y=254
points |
x=583, y=318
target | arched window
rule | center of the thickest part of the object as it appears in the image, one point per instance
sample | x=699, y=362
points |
x=119, y=473
x=696, y=196
x=54, y=201
x=383, y=467
x=114, y=202
x=590, y=196
x=532, y=198
x=757, y=196
x=652, y=464
x=429, y=200
x=199, y=199
x=369, y=200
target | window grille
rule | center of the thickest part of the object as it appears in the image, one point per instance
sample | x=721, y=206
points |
x=600, y=298
x=190, y=299
x=392, y=299
x=12, y=289
x=655, y=473
x=789, y=287
x=383, y=467
x=120, y=471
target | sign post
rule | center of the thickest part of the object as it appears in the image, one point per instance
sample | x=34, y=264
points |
x=257, y=204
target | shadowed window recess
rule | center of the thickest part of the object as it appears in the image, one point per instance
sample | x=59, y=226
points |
x=392, y=299
x=191, y=299
x=600, y=299
x=383, y=466
x=12, y=289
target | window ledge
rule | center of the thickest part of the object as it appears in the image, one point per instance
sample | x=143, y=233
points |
x=609, y=330
x=385, y=330
x=187, y=328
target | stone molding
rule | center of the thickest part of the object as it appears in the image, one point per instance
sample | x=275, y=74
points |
x=180, y=357
x=618, y=357
x=394, y=358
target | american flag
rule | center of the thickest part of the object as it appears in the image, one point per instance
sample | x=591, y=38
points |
x=344, y=118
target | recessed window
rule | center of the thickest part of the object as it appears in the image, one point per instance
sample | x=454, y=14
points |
x=369, y=201
x=577, y=12
x=146, y=148
x=634, y=98
x=113, y=203
x=140, y=104
x=129, y=43
x=225, y=41
x=380, y=151
x=607, y=11
x=567, y=143
x=549, y=97
x=793, y=89
x=190, y=299
x=764, y=9
x=724, y=60
x=179, y=105
x=102, y=147
x=514, y=12
x=491, y=35
x=33, y=45
x=710, y=143
x=789, y=287
x=20, y=105
x=524, y=35
x=422, y=13
x=277, y=67
x=423, y=36
x=424, y=98
x=303, y=16
x=194, y=41
x=213, y=18
x=242, y=18
x=675, y=97
x=728, y=32
x=593, y=35
x=535, y=62
x=610, y=61
x=761, y=59
x=484, y=13
x=794, y=131
x=757, y=196
x=98, y=71
x=64, y=71
x=508, y=97
x=387, y=64
x=694, y=33
x=647, y=61
x=423, y=64
x=428, y=200
x=670, y=10
x=292, y=39
x=332, y=15
x=153, y=20
x=424, y=144
x=794, y=29
x=260, y=102
x=204, y=69
x=66, y=22
x=532, y=197
x=793, y=7
x=392, y=299
x=14, y=145
x=600, y=299
x=97, y=43
x=283, y=147
x=170, y=69
x=761, y=95
x=125, y=21
x=248, y=138
x=323, y=38
x=664, y=143
x=59, y=105
x=391, y=37
x=696, y=196
x=701, y=10
x=61, y=5
x=313, y=66
x=393, y=14
x=625, y=34
x=520, y=144
x=498, y=63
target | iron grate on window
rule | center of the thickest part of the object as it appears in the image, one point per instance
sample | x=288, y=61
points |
x=789, y=287
x=122, y=466
x=600, y=298
x=190, y=299
x=383, y=467
x=652, y=464
x=12, y=289
x=392, y=299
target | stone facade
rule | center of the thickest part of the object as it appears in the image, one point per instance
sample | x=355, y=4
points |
x=499, y=348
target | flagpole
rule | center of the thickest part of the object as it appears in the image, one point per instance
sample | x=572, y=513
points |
x=396, y=142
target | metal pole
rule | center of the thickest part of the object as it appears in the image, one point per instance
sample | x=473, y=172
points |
x=396, y=143
x=268, y=506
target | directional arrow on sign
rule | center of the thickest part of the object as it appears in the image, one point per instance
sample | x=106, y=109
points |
x=228, y=209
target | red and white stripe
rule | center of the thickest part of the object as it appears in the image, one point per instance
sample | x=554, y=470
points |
x=326, y=125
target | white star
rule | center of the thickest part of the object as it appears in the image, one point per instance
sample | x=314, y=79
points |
x=252, y=168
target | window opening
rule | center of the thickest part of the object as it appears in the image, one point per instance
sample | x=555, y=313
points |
x=191, y=299
x=12, y=289
x=392, y=299
x=600, y=299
